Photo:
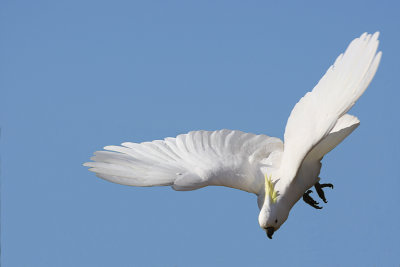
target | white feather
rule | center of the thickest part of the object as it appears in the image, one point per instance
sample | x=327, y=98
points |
x=343, y=127
x=189, y=161
x=315, y=115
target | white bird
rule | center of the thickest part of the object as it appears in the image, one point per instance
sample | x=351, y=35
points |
x=278, y=173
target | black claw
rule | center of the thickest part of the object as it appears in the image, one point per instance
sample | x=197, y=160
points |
x=320, y=192
x=310, y=201
x=327, y=185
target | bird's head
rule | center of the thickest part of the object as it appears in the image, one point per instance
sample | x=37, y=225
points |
x=274, y=210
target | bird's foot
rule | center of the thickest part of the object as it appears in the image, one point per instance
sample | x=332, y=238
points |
x=320, y=192
x=310, y=201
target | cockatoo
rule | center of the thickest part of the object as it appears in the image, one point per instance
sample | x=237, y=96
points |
x=279, y=173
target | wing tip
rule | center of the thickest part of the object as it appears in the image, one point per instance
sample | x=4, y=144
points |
x=369, y=37
x=86, y=164
x=375, y=35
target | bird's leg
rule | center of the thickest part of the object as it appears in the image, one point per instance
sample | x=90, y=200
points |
x=310, y=201
x=320, y=192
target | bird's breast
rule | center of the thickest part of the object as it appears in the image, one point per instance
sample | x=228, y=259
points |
x=306, y=177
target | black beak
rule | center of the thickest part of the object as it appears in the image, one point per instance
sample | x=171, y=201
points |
x=270, y=231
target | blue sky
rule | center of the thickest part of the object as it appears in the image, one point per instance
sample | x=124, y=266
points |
x=78, y=75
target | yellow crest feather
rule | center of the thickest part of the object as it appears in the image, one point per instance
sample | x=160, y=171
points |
x=270, y=188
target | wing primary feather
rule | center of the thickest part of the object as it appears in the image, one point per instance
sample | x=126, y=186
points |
x=315, y=115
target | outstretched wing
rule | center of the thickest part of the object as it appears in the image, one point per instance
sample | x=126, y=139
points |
x=315, y=115
x=189, y=161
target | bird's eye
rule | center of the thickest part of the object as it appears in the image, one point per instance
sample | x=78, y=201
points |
x=276, y=220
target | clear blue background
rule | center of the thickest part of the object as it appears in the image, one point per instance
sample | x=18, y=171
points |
x=78, y=75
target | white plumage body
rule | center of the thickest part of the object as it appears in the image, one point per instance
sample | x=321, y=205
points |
x=278, y=173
